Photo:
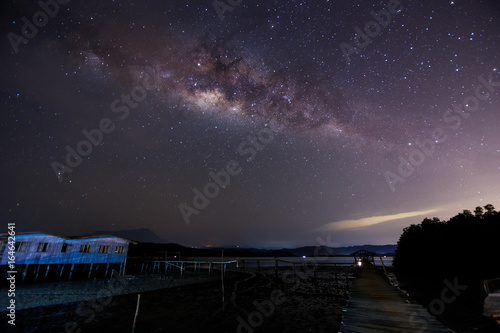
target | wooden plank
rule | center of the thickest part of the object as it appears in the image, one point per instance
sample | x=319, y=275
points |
x=376, y=306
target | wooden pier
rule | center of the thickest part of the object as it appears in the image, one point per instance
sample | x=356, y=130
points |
x=164, y=266
x=376, y=306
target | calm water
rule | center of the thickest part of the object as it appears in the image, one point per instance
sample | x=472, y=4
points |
x=266, y=262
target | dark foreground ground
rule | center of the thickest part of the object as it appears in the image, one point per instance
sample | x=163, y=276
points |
x=309, y=301
x=461, y=310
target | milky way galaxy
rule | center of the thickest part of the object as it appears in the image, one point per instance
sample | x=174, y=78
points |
x=352, y=140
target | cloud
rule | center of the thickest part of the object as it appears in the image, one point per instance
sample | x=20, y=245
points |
x=369, y=221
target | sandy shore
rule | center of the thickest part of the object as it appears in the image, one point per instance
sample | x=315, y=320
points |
x=306, y=301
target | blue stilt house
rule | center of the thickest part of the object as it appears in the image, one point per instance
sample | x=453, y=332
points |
x=39, y=256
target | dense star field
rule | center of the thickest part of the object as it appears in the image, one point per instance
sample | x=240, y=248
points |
x=250, y=123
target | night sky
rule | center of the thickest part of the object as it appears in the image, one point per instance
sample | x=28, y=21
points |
x=261, y=123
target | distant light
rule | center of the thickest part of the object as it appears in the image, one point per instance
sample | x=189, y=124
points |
x=303, y=257
x=385, y=256
x=359, y=262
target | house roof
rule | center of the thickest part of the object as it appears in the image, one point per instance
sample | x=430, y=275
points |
x=38, y=233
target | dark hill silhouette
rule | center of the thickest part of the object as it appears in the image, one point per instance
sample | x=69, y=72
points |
x=151, y=249
x=138, y=235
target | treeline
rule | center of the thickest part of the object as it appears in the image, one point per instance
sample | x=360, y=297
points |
x=467, y=245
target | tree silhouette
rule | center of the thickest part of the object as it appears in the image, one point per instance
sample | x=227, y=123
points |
x=478, y=212
x=465, y=245
x=489, y=209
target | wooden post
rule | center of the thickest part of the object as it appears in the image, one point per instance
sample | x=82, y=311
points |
x=46, y=272
x=336, y=278
x=346, y=278
x=71, y=271
x=136, y=312
x=37, y=270
x=107, y=268
x=90, y=269
x=222, y=279
x=62, y=270
x=382, y=261
x=25, y=271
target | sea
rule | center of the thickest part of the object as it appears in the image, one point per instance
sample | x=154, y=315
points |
x=288, y=261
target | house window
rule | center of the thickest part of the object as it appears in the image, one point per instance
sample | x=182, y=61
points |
x=104, y=249
x=64, y=247
x=42, y=247
x=21, y=246
x=85, y=248
x=120, y=249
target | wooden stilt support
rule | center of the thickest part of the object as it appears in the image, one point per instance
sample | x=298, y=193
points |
x=71, y=271
x=37, y=270
x=62, y=270
x=90, y=269
x=46, y=272
x=107, y=268
x=25, y=271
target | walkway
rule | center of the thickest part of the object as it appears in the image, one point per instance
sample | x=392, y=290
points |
x=376, y=306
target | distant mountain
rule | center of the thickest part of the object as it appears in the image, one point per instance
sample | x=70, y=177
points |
x=148, y=249
x=150, y=242
x=144, y=235
x=154, y=249
x=342, y=251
